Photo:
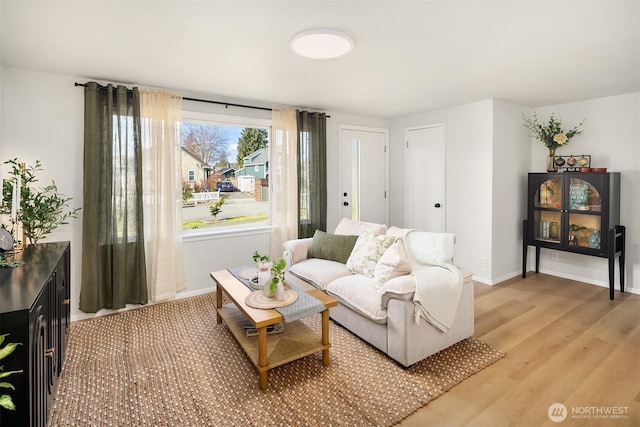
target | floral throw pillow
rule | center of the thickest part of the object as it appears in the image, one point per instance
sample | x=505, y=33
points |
x=367, y=251
x=393, y=263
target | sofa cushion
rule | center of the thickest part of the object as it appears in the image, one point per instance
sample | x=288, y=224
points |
x=331, y=246
x=393, y=263
x=353, y=227
x=430, y=248
x=398, y=232
x=358, y=293
x=319, y=272
x=368, y=249
x=401, y=287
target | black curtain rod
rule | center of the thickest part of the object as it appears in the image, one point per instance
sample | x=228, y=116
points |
x=226, y=104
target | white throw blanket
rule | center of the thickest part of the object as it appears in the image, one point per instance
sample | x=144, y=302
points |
x=438, y=281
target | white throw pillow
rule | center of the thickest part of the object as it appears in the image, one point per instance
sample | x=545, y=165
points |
x=352, y=227
x=398, y=232
x=393, y=263
x=368, y=249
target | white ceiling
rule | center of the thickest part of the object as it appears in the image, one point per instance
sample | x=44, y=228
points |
x=408, y=57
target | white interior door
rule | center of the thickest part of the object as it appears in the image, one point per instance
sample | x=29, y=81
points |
x=424, y=178
x=364, y=176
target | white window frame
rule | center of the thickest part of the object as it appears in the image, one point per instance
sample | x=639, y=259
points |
x=191, y=174
x=232, y=230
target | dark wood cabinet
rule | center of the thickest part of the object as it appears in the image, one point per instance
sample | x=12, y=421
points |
x=575, y=212
x=34, y=311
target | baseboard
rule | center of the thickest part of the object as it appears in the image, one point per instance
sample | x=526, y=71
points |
x=602, y=284
x=107, y=312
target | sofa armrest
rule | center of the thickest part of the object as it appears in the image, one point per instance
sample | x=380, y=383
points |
x=296, y=250
x=402, y=288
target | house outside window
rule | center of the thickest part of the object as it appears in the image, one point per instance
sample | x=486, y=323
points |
x=210, y=145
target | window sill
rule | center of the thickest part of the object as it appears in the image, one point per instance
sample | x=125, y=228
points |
x=224, y=233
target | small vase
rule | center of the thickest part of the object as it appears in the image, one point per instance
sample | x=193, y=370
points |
x=551, y=161
x=279, y=292
x=264, y=277
x=594, y=239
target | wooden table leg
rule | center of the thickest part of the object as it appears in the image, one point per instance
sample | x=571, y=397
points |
x=262, y=357
x=218, y=303
x=325, y=336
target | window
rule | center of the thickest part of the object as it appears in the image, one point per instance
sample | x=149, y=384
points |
x=225, y=162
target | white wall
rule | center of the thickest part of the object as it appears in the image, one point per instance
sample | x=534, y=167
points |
x=45, y=122
x=611, y=134
x=2, y=157
x=468, y=193
x=511, y=160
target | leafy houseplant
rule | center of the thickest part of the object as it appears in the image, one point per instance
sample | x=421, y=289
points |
x=42, y=209
x=5, y=399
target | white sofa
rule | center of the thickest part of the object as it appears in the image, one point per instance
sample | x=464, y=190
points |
x=381, y=313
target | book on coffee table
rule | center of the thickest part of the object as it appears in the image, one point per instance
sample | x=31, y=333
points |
x=252, y=331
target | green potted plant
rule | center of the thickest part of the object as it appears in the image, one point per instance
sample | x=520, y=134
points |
x=5, y=400
x=259, y=259
x=277, y=280
x=42, y=209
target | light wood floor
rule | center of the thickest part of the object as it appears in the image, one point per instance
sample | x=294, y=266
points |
x=565, y=341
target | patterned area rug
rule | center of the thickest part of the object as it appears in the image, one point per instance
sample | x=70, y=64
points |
x=172, y=365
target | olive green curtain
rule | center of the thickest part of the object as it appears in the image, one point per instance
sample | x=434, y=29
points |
x=113, y=258
x=312, y=173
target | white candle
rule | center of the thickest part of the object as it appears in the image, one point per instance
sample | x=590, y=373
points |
x=19, y=185
x=13, y=203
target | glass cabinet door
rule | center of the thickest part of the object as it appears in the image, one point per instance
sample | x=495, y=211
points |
x=547, y=214
x=549, y=194
x=584, y=214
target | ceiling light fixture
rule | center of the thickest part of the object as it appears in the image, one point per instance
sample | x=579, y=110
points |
x=321, y=44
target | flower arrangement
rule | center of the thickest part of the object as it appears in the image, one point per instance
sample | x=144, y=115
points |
x=551, y=134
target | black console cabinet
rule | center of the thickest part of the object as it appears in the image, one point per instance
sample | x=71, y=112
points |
x=575, y=212
x=34, y=311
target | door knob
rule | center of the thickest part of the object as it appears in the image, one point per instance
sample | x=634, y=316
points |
x=437, y=205
x=345, y=203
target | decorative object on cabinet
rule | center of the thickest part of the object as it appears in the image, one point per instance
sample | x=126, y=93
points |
x=551, y=135
x=39, y=211
x=572, y=163
x=34, y=310
x=594, y=239
x=586, y=211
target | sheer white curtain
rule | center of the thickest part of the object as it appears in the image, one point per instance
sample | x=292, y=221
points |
x=161, y=115
x=283, y=158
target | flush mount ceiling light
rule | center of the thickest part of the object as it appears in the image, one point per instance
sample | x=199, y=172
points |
x=321, y=44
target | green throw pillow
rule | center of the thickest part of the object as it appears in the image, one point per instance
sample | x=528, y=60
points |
x=333, y=247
